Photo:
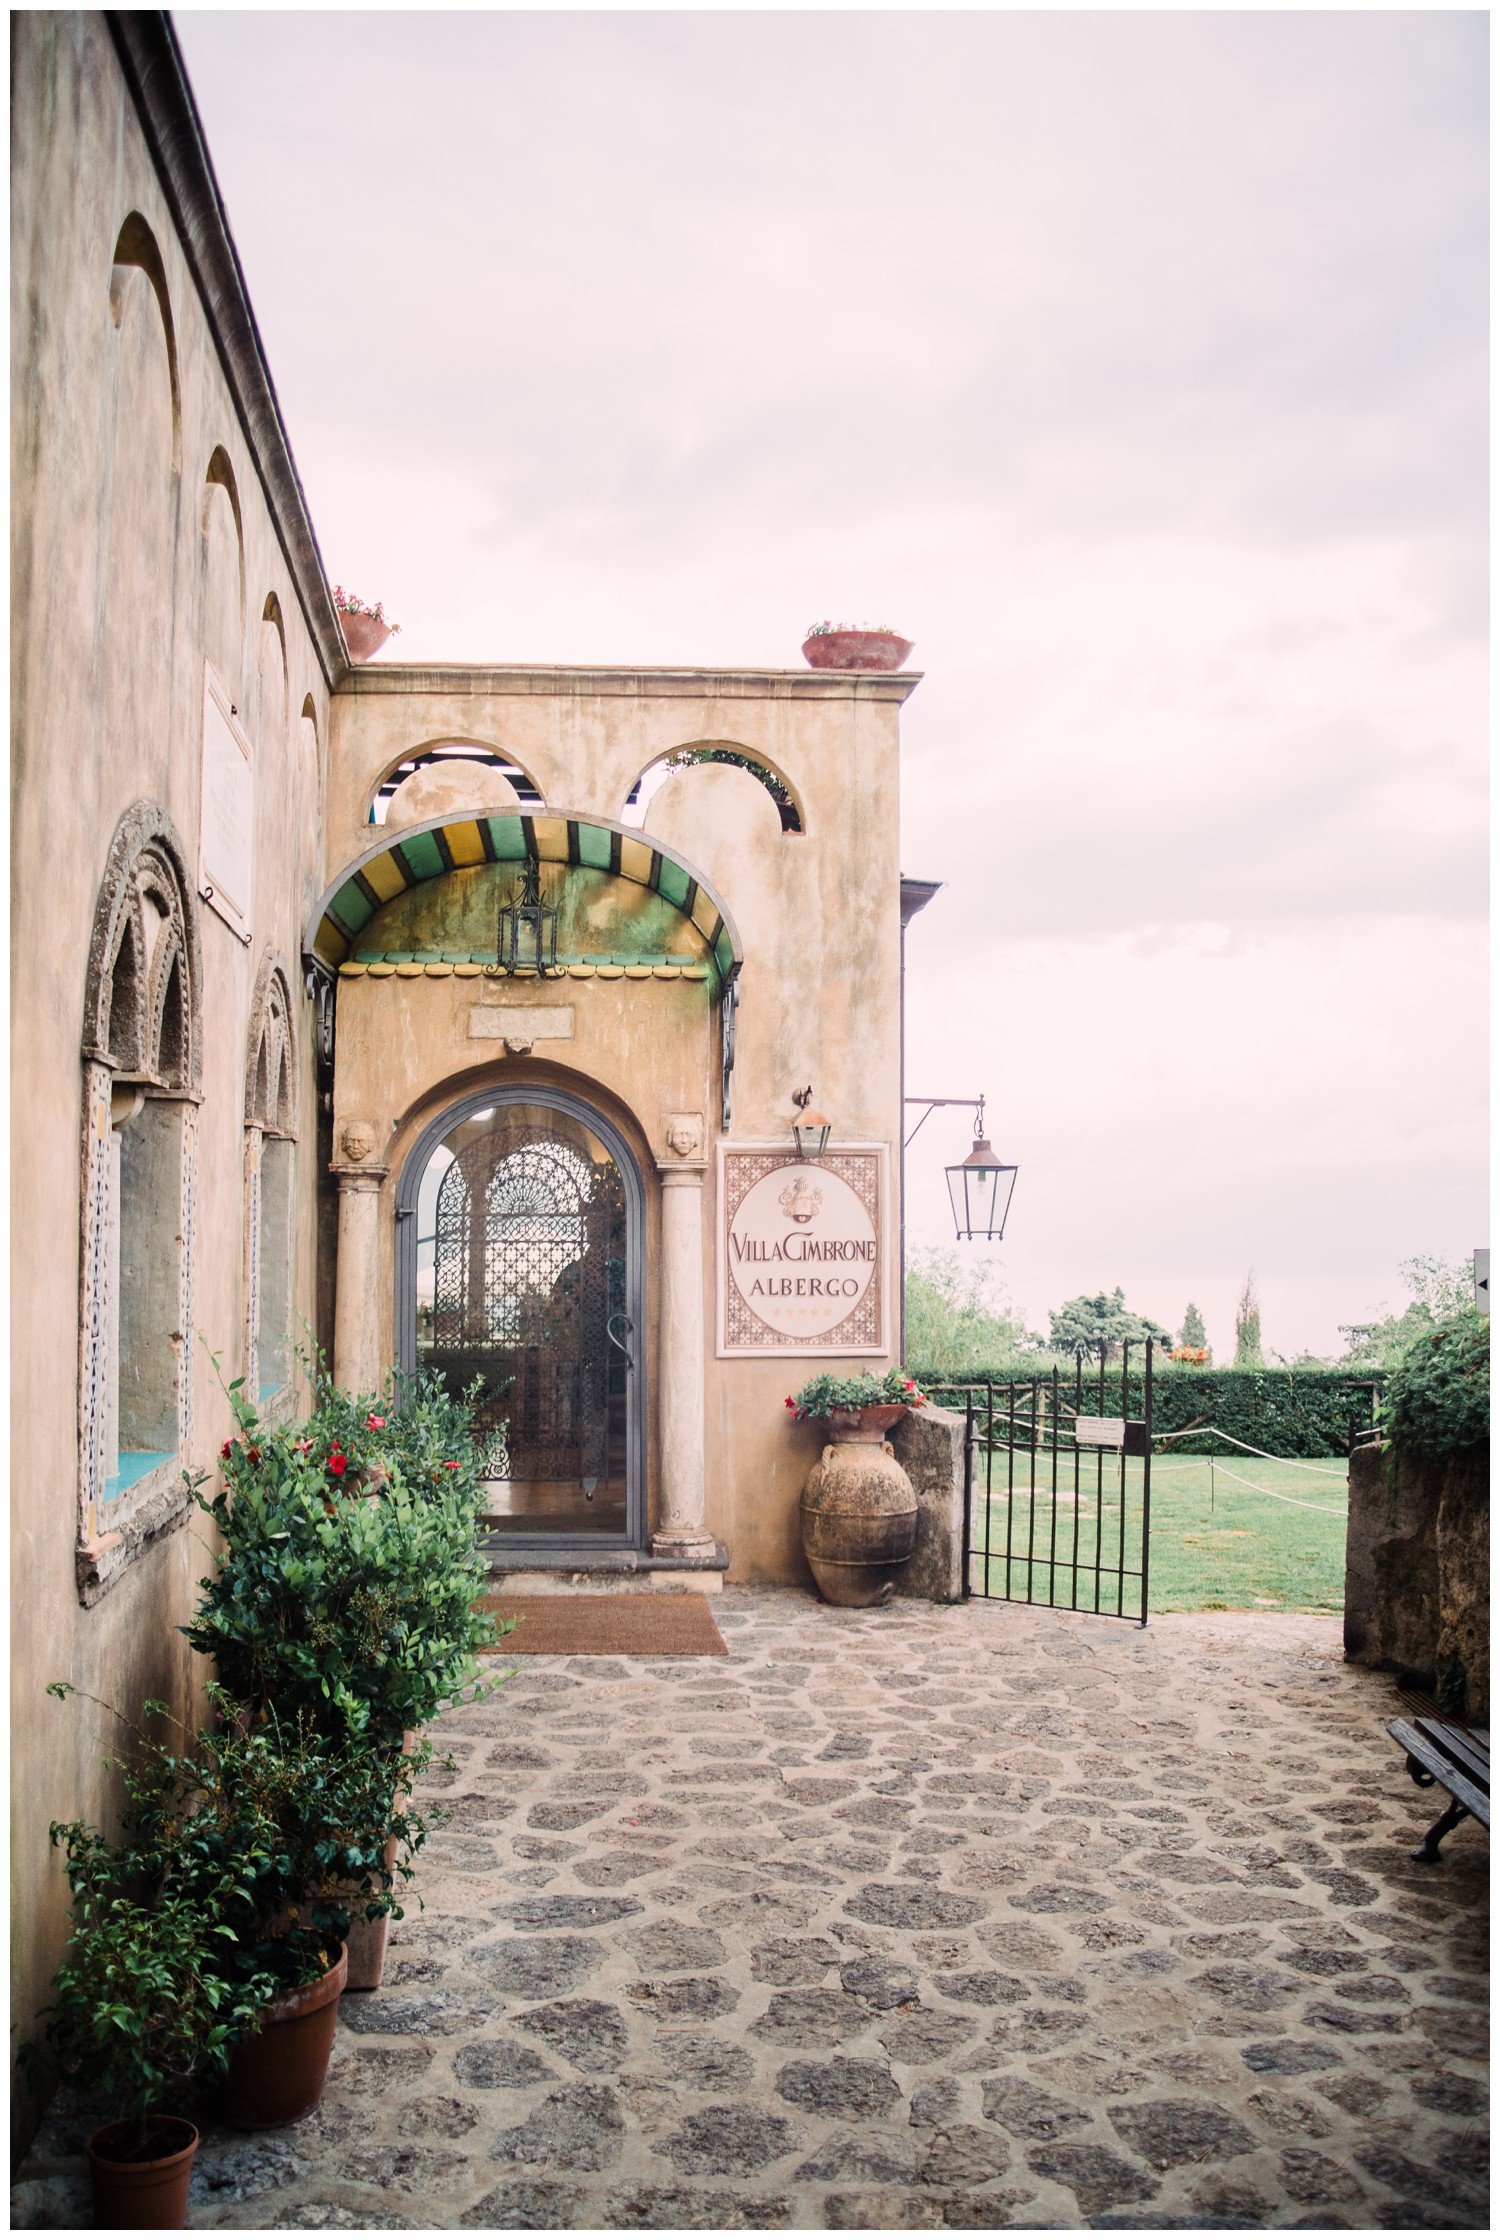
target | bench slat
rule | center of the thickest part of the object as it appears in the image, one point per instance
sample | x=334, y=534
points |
x=1443, y=1770
x=1463, y=1747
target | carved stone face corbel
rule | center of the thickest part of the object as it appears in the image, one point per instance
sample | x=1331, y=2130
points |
x=684, y=1138
x=356, y=1145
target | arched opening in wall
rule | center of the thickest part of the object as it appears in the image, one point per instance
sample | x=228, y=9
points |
x=520, y=1241
x=655, y=775
x=136, y=251
x=270, y=1183
x=473, y=769
x=271, y=713
x=141, y=1066
x=223, y=572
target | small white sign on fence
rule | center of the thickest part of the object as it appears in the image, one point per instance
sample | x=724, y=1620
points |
x=1099, y=1431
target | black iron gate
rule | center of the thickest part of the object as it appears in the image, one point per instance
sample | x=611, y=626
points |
x=1057, y=1486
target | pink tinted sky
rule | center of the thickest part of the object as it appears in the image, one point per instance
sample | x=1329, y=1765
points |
x=1134, y=366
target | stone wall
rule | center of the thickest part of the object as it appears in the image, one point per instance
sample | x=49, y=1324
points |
x=1417, y=1572
x=929, y=1445
x=144, y=545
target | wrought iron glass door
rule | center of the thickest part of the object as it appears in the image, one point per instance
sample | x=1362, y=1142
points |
x=519, y=1260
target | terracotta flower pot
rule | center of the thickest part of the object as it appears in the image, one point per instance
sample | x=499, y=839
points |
x=149, y=2196
x=855, y=649
x=277, y=2075
x=363, y=635
x=859, y=1511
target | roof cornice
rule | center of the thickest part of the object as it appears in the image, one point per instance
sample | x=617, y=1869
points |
x=153, y=67
x=475, y=680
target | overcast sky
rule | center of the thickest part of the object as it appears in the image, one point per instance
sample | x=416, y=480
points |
x=1132, y=365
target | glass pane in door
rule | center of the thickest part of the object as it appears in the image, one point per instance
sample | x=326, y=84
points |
x=521, y=1290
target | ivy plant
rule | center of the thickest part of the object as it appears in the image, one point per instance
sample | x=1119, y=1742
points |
x=1437, y=1397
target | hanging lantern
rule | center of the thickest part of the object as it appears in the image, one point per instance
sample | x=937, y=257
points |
x=981, y=1188
x=810, y=1130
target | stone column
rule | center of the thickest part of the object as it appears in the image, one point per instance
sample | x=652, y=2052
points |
x=356, y=1336
x=683, y=1530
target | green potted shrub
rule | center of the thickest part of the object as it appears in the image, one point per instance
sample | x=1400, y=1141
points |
x=276, y=1836
x=147, y=2003
x=345, y=1587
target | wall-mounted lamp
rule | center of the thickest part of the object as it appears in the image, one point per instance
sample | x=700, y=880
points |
x=810, y=1132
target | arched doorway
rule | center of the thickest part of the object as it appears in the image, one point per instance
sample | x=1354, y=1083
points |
x=520, y=1227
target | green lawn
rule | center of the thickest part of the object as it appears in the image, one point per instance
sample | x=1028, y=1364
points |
x=1217, y=1542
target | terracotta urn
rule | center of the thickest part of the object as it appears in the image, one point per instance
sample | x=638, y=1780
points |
x=364, y=636
x=859, y=1510
x=149, y=2192
x=855, y=649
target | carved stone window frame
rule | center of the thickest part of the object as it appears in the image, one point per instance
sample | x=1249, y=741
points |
x=142, y=1040
x=270, y=1116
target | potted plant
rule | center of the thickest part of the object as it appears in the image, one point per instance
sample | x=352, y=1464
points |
x=854, y=645
x=346, y=1585
x=146, y=2005
x=275, y=1836
x=859, y=1508
x=365, y=627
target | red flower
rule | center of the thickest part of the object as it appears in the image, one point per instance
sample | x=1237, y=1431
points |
x=450, y=1465
x=791, y=1403
x=910, y=1386
x=338, y=1462
x=226, y=1450
x=375, y=1423
x=252, y=1454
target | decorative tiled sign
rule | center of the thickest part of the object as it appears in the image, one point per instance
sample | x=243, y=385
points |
x=802, y=1254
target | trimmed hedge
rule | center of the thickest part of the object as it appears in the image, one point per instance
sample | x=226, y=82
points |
x=1296, y=1412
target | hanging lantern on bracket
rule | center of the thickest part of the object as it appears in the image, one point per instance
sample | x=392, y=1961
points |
x=981, y=1188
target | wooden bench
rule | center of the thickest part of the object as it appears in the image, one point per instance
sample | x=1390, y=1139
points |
x=1441, y=1754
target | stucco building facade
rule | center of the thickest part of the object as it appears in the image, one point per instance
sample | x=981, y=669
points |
x=450, y=1016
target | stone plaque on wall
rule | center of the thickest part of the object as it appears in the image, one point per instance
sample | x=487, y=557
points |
x=802, y=1250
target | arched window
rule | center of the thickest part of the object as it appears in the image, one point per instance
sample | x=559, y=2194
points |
x=142, y=1043
x=655, y=775
x=270, y=1155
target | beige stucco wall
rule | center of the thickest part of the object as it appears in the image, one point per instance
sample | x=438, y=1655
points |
x=127, y=566
x=818, y=912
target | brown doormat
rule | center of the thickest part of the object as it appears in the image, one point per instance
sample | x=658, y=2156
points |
x=659, y=1623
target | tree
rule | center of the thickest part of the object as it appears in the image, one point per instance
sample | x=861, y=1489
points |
x=1437, y=1290
x=1193, y=1335
x=1248, y=1352
x=1087, y=1322
x=956, y=1316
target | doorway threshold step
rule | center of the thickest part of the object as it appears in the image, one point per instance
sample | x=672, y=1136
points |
x=602, y=1571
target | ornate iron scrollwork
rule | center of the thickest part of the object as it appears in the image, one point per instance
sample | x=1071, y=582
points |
x=529, y=1270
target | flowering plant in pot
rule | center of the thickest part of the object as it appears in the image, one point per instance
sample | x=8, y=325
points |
x=146, y=2005
x=364, y=626
x=349, y=1565
x=860, y=1404
x=854, y=645
x=346, y=1585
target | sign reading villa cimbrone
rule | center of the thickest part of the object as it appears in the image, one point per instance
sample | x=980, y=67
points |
x=802, y=1260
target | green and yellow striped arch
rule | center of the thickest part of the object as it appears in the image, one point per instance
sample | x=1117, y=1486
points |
x=428, y=851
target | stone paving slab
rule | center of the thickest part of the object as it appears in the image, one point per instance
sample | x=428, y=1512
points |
x=919, y=1917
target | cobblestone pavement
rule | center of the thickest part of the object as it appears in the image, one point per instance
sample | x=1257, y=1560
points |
x=914, y=1917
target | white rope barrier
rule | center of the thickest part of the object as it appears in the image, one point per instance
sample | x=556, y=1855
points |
x=1323, y=1510
x=1212, y=1431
